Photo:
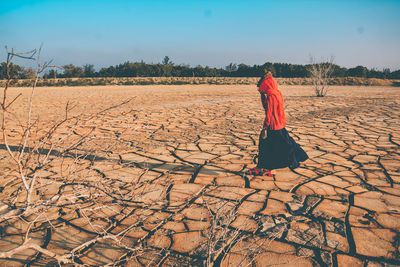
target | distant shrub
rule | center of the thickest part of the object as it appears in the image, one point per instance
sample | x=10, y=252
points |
x=128, y=83
x=179, y=82
x=144, y=83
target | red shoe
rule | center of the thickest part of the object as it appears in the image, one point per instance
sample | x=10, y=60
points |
x=259, y=172
x=268, y=173
x=254, y=171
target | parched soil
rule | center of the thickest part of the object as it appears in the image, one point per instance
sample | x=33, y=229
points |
x=160, y=180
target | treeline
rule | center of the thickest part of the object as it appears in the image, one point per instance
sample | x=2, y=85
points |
x=16, y=72
x=169, y=69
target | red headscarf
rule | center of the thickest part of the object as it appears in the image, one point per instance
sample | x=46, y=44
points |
x=273, y=103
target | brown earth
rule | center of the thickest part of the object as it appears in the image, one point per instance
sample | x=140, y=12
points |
x=172, y=161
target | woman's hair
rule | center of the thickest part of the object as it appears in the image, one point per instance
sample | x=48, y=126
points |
x=265, y=76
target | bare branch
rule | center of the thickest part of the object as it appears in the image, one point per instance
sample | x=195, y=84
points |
x=320, y=73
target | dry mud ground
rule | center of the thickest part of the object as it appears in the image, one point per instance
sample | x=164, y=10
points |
x=159, y=180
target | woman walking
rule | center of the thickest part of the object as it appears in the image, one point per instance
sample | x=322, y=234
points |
x=276, y=149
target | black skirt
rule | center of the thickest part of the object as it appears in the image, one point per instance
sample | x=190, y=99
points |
x=279, y=150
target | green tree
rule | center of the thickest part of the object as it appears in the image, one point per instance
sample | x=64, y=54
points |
x=231, y=67
x=395, y=74
x=88, y=70
x=386, y=73
x=16, y=71
x=167, y=66
x=359, y=71
x=166, y=61
x=71, y=71
x=51, y=74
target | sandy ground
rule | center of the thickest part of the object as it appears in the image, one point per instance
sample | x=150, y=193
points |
x=187, y=147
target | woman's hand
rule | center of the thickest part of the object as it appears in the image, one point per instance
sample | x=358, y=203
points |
x=264, y=133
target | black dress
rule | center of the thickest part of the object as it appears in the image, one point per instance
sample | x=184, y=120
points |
x=279, y=150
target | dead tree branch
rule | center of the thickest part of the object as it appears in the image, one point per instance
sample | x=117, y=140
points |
x=320, y=73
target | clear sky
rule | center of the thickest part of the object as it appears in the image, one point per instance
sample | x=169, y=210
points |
x=205, y=32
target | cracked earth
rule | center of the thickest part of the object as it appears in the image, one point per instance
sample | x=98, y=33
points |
x=188, y=148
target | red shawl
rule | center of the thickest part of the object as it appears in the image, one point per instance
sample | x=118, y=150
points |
x=273, y=104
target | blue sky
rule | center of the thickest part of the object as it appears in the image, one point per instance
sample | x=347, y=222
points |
x=205, y=32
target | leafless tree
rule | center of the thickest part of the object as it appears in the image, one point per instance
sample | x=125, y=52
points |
x=19, y=156
x=30, y=204
x=321, y=73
